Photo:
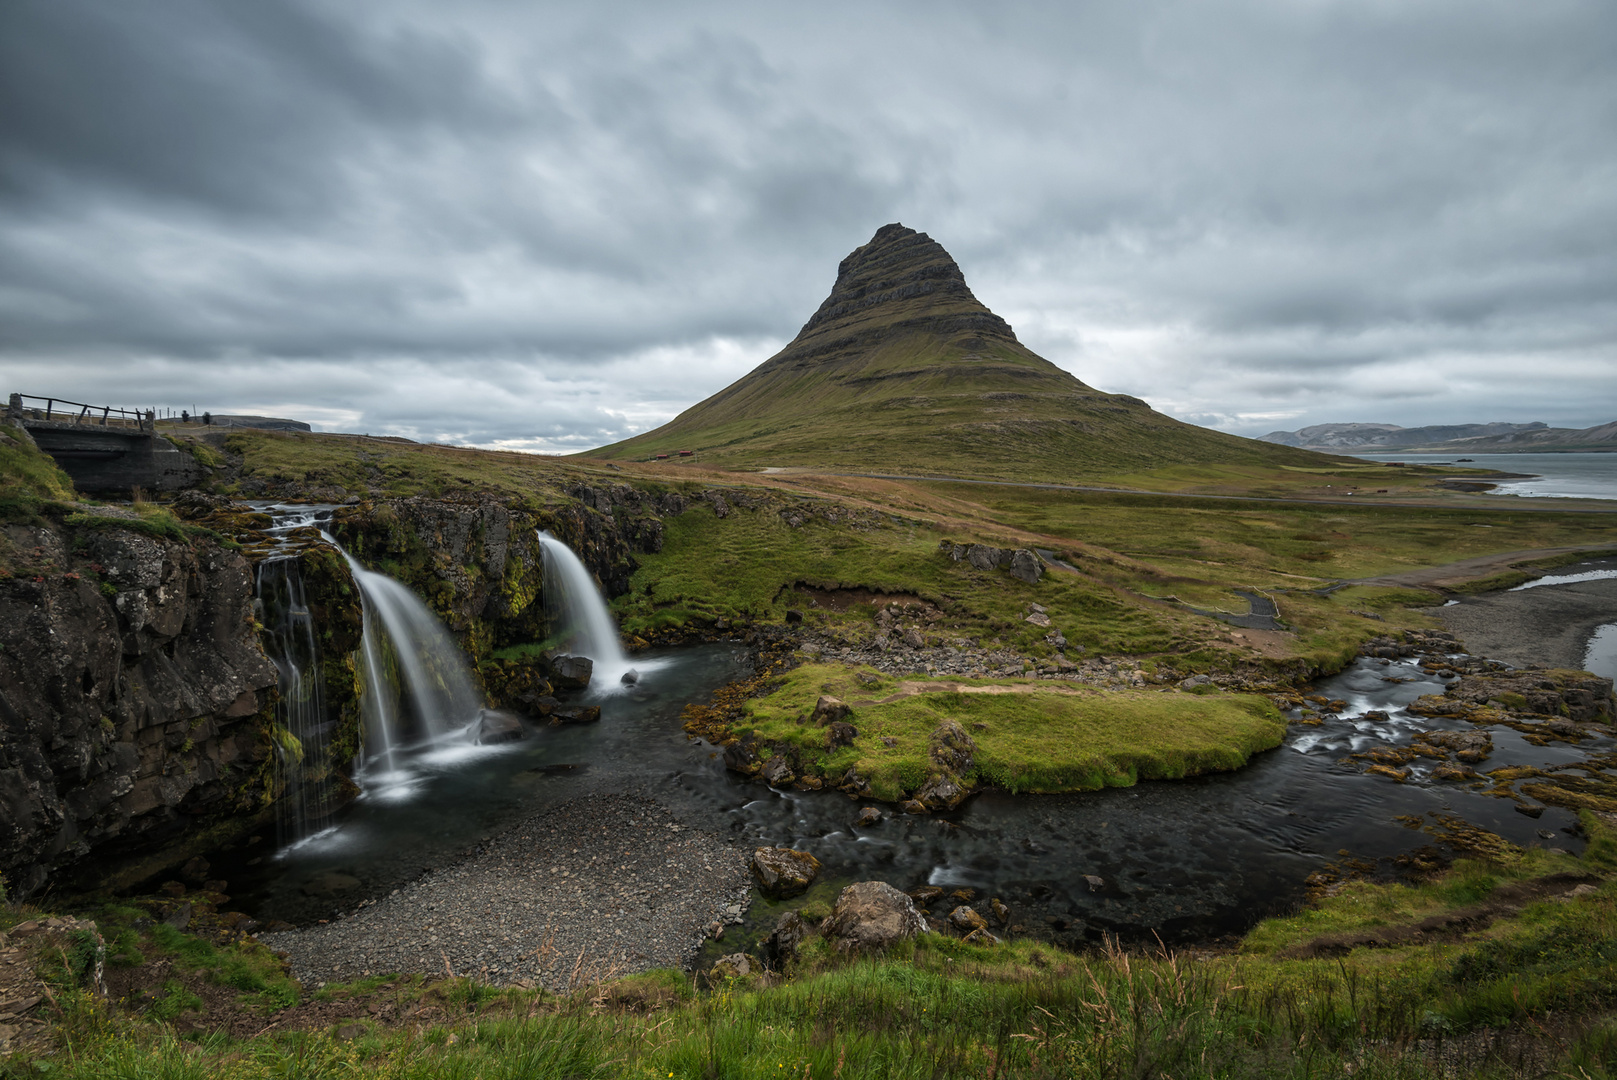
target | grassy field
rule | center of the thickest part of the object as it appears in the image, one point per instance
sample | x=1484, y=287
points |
x=1140, y=559
x=1522, y=985
x=753, y=566
x=1029, y=738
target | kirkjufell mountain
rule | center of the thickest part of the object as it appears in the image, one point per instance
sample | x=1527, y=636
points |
x=903, y=370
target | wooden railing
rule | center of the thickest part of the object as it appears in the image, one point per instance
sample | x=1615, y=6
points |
x=62, y=411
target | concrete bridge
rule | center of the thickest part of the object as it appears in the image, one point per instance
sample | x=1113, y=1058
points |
x=104, y=449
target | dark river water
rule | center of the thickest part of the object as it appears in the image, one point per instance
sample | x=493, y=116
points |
x=1193, y=859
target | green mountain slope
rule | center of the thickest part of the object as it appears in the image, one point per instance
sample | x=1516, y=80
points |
x=903, y=370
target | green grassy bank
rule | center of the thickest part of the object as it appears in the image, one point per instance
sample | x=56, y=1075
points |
x=1028, y=738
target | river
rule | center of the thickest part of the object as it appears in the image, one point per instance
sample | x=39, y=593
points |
x=1193, y=859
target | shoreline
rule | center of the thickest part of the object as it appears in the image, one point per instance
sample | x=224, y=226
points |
x=601, y=887
x=1548, y=626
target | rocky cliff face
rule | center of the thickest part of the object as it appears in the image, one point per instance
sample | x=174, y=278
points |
x=477, y=561
x=135, y=697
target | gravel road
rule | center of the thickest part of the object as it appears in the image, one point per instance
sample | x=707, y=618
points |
x=599, y=887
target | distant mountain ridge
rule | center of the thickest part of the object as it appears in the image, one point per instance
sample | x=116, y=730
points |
x=902, y=369
x=1446, y=438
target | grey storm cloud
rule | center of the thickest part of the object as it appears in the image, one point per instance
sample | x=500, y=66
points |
x=548, y=227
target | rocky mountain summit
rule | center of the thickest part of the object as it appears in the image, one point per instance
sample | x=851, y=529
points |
x=902, y=369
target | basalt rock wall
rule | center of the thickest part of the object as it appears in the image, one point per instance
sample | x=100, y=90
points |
x=135, y=696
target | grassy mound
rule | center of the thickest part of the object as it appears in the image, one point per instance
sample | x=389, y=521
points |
x=1030, y=737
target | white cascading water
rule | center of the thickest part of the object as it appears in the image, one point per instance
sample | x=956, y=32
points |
x=300, y=713
x=580, y=618
x=431, y=695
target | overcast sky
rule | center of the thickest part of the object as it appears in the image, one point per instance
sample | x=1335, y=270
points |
x=548, y=227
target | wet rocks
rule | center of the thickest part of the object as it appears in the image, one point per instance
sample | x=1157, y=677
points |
x=742, y=757
x=870, y=916
x=777, y=770
x=1001, y=911
x=782, y=872
x=966, y=919
x=868, y=817
x=571, y=672
x=941, y=793
x=781, y=947
x=494, y=726
x=575, y=714
x=1467, y=746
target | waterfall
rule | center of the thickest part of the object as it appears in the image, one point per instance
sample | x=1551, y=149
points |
x=301, y=728
x=579, y=614
x=417, y=688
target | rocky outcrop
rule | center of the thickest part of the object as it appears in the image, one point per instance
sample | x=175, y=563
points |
x=871, y=916
x=135, y=697
x=1020, y=563
x=782, y=872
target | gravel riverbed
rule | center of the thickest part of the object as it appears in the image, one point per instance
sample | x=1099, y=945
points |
x=599, y=887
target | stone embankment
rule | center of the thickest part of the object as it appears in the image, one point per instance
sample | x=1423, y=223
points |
x=601, y=887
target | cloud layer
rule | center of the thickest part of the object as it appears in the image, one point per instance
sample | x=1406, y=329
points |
x=501, y=224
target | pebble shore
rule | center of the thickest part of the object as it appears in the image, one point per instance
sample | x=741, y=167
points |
x=600, y=887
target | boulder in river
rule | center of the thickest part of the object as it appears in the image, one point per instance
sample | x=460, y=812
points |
x=966, y=919
x=571, y=672
x=941, y=793
x=576, y=714
x=777, y=771
x=630, y=677
x=870, y=916
x=494, y=726
x=780, y=948
x=782, y=872
x=867, y=817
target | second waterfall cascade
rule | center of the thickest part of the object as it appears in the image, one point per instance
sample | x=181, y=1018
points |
x=579, y=616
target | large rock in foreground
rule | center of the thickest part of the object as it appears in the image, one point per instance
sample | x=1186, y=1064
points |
x=871, y=916
x=782, y=872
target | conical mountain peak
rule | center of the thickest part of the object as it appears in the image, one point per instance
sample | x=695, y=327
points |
x=901, y=282
x=903, y=370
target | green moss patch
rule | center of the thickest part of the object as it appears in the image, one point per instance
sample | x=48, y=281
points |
x=1029, y=738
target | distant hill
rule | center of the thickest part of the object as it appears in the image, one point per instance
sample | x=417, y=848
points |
x=902, y=370
x=1446, y=438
